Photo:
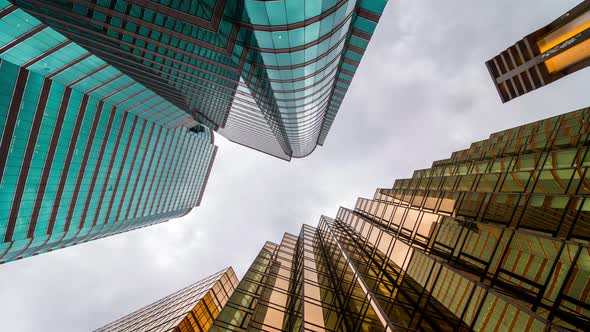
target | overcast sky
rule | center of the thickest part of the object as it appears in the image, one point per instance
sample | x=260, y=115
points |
x=421, y=92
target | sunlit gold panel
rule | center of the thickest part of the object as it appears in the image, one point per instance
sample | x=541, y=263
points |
x=569, y=57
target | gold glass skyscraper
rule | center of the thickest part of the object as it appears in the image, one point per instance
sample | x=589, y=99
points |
x=190, y=309
x=495, y=238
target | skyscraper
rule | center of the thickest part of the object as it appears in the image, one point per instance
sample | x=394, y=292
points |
x=495, y=238
x=85, y=150
x=544, y=56
x=191, y=309
x=107, y=106
x=267, y=74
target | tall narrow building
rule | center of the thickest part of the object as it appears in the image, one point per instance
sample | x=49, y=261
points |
x=85, y=150
x=191, y=309
x=270, y=75
x=495, y=238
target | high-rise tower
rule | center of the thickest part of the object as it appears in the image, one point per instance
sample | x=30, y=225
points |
x=267, y=74
x=494, y=238
x=85, y=150
x=191, y=309
x=107, y=107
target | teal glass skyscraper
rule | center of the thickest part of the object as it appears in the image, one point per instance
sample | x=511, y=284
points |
x=108, y=107
x=270, y=75
x=86, y=151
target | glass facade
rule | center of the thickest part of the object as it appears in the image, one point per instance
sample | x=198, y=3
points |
x=191, y=309
x=270, y=75
x=545, y=56
x=86, y=151
x=495, y=238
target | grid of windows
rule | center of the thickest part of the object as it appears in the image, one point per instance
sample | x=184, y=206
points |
x=191, y=309
x=27, y=42
x=294, y=59
x=74, y=167
x=495, y=238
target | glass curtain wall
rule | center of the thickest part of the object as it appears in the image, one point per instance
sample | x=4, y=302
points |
x=494, y=238
x=191, y=309
x=270, y=75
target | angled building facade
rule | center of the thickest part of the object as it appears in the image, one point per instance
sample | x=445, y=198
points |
x=554, y=51
x=191, y=309
x=495, y=238
x=108, y=107
x=85, y=151
x=270, y=75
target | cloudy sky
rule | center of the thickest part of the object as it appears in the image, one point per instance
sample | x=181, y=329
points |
x=421, y=92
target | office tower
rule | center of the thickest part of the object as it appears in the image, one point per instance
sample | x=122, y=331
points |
x=545, y=56
x=108, y=106
x=85, y=150
x=270, y=75
x=191, y=309
x=495, y=238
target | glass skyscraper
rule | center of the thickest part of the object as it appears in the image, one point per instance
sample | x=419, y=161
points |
x=86, y=151
x=495, y=238
x=191, y=309
x=270, y=75
x=107, y=107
